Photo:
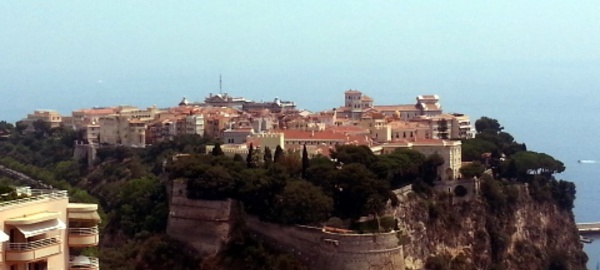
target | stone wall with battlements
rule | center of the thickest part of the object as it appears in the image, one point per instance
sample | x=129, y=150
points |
x=206, y=226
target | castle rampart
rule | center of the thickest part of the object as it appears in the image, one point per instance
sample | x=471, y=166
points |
x=203, y=224
x=206, y=226
x=320, y=249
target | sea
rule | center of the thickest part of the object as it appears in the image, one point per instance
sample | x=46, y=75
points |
x=552, y=106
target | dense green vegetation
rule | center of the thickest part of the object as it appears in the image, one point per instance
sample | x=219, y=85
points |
x=357, y=184
x=124, y=182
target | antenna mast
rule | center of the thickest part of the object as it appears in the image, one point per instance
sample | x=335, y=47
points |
x=220, y=85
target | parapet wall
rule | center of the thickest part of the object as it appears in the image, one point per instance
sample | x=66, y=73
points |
x=324, y=250
x=206, y=226
x=203, y=224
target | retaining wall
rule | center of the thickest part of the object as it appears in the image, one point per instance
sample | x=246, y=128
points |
x=325, y=250
x=203, y=224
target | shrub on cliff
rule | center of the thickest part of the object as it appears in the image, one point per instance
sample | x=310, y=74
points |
x=301, y=203
x=212, y=183
x=473, y=169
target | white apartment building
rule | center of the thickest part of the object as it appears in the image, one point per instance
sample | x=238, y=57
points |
x=41, y=230
x=194, y=124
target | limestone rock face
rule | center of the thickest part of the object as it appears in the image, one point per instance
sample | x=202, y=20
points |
x=469, y=235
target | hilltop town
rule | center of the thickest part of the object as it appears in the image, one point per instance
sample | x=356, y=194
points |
x=238, y=122
x=360, y=186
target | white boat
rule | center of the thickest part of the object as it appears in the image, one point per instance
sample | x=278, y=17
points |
x=585, y=240
x=589, y=161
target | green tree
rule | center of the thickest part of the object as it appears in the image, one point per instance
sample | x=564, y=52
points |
x=278, y=156
x=430, y=168
x=321, y=172
x=359, y=192
x=250, y=157
x=302, y=203
x=400, y=168
x=347, y=154
x=267, y=158
x=68, y=170
x=305, y=161
x=214, y=183
x=6, y=126
x=238, y=158
x=473, y=169
x=217, y=151
x=292, y=162
x=530, y=163
x=141, y=206
x=488, y=125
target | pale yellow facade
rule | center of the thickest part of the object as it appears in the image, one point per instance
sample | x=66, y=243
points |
x=37, y=231
x=48, y=116
x=449, y=150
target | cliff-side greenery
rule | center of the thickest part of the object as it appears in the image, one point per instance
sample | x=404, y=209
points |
x=124, y=182
x=514, y=169
x=354, y=183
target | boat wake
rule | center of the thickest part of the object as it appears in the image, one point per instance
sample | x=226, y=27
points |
x=587, y=161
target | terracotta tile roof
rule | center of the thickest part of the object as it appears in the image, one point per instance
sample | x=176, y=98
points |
x=98, y=111
x=366, y=98
x=424, y=142
x=395, y=107
x=348, y=129
x=325, y=135
x=344, y=109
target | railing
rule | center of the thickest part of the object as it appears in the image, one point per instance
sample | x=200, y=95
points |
x=83, y=231
x=37, y=244
x=36, y=195
x=92, y=263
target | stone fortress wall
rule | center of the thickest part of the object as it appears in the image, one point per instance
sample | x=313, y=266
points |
x=203, y=224
x=320, y=249
x=206, y=226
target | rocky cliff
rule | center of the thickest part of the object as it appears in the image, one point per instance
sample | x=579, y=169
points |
x=510, y=231
x=506, y=228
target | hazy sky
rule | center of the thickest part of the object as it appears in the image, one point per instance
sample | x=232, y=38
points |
x=70, y=54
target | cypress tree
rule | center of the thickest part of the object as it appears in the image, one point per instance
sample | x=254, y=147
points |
x=278, y=154
x=304, y=162
x=217, y=151
x=267, y=157
x=249, y=162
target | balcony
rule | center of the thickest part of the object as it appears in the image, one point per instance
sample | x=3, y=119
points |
x=34, y=250
x=83, y=237
x=83, y=263
x=33, y=196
